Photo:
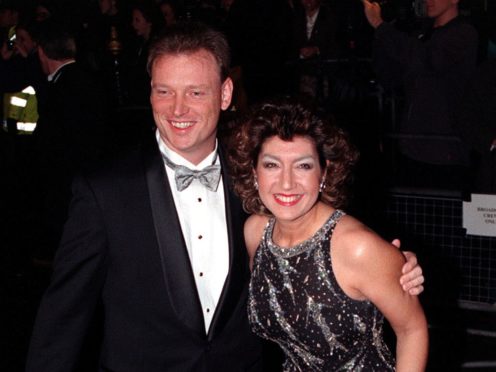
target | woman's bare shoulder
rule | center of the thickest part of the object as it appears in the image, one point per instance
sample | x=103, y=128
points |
x=356, y=243
x=362, y=260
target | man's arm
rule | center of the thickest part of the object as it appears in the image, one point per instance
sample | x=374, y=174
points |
x=69, y=304
x=390, y=53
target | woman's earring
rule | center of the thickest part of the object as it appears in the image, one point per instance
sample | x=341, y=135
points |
x=255, y=183
x=322, y=185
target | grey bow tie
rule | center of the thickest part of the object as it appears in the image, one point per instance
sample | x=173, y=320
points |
x=208, y=176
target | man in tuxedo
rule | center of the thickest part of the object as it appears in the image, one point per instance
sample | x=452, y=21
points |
x=159, y=247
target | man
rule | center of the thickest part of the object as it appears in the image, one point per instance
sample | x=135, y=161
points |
x=433, y=68
x=314, y=35
x=315, y=31
x=162, y=252
x=70, y=131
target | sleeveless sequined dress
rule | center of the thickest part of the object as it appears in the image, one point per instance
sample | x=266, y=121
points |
x=295, y=301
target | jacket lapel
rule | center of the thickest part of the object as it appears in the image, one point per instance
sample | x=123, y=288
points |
x=176, y=266
x=238, y=275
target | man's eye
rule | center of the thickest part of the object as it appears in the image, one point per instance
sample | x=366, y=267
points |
x=197, y=93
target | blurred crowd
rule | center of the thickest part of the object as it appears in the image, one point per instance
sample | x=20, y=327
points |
x=412, y=81
x=269, y=40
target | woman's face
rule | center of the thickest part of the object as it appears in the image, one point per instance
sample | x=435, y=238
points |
x=289, y=175
x=140, y=24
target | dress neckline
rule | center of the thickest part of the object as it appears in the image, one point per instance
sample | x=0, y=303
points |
x=310, y=243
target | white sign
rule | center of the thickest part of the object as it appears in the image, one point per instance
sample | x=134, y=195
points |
x=479, y=215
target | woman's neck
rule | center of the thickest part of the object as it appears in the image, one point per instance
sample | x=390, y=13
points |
x=288, y=233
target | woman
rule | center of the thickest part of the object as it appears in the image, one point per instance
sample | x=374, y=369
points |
x=321, y=281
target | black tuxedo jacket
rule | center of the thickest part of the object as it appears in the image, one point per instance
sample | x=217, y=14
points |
x=123, y=249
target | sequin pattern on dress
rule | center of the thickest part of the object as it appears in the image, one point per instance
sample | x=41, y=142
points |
x=296, y=302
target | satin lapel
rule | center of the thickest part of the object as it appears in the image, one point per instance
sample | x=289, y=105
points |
x=238, y=274
x=176, y=266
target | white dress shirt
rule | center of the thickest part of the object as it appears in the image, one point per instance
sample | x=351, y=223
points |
x=311, y=23
x=202, y=215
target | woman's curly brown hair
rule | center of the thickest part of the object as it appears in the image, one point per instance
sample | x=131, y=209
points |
x=287, y=119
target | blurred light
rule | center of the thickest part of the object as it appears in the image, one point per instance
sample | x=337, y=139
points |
x=19, y=102
x=26, y=127
x=29, y=90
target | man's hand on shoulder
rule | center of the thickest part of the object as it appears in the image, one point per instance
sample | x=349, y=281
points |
x=412, y=278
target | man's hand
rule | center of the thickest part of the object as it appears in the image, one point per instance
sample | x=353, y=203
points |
x=412, y=278
x=373, y=13
x=5, y=52
x=307, y=52
x=20, y=50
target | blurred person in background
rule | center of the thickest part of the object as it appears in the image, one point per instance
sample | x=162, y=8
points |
x=170, y=11
x=70, y=134
x=147, y=22
x=20, y=66
x=433, y=68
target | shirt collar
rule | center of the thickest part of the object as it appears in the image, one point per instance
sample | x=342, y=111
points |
x=178, y=159
x=54, y=75
x=312, y=18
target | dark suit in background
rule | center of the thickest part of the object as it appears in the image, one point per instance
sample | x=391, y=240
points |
x=69, y=136
x=323, y=36
x=311, y=51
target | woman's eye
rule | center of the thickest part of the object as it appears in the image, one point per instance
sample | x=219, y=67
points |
x=269, y=165
x=305, y=166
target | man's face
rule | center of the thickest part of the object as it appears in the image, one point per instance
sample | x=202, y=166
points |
x=438, y=8
x=24, y=41
x=187, y=96
x=105, y=6
x=8, y=18
x=42, y=13
x=168, y=14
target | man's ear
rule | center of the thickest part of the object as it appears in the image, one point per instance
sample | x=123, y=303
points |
x=226, y=93
x=41, y=53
